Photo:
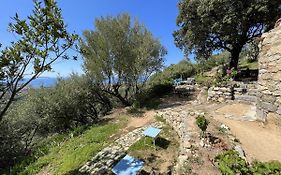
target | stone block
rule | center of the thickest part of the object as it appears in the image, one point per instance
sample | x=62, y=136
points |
x=261, y=115
x=268, y=98
x=279, y=110
x=268, y=106
x=277, y=76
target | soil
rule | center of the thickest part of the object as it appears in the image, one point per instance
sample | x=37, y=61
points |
x=140, y=121
x=260, y=141
x=162, y=159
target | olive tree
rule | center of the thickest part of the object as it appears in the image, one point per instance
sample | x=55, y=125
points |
x=214, y=25
x=42, y=40
x=121, y=55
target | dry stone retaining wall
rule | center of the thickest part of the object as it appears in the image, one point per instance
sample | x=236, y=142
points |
x=220, y=94
x=177, y=118
x=246, y=93
x=103, y=161
x=266, y=94
x=269, y=80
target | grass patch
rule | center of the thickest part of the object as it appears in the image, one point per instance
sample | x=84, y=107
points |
x=163, y=158
x=165, y=140
x=65, y=153
x=244, y=64
x=142, y=144
x=160, y=119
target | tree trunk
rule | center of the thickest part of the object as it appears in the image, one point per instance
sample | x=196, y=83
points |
x=124, y=101
x=235, y=57
x=7, y=105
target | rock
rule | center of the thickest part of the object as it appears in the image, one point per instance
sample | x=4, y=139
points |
x=109, y=162
x=225, y=128
x=241, y=152
x=268, y=106
x=187, y=145
x=101, y=171
x=221, y=100
x=202, y=143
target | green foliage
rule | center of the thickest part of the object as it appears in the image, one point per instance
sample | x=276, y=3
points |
x=202, y=123
x=160, y=119
x=66, y=152
x=230, y=163
x=11, y=146
x=73, y=102
x=42, y=39
x=267, y=168
x=204, y=81
x=143, y=144
x=213, y=61
x=149, y=96
x=183, y=69
x=213, y=25
x=121, y=54
x=248, y=64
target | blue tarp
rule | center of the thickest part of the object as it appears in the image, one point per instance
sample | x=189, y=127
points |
x=128, y=166
x=152, y=132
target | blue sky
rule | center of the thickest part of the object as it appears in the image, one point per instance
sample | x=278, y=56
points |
x=158, y=16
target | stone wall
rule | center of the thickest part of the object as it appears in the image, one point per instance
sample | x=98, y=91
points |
x=220, y=94
x=269, y=81
x=178, y=119
x=246, y=93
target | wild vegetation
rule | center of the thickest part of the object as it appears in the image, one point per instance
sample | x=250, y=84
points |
x=230, y=163
x=212, y=25
x=63, y=126
x=42, y=40
x=120, y=56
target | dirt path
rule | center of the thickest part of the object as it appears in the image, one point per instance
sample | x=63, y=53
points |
x=137, y=122
x=260, y=141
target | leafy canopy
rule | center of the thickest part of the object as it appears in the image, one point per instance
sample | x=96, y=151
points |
x=121, y=53
x=210, y=25
x=42, y=39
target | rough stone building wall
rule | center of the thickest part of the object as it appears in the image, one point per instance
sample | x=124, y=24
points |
x=269, y=81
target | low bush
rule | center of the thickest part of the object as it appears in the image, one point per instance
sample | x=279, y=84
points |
x=204, y=81
x=229, y=163
x=72, y=103
x=149, y=97
x=183, y=69
x=202, y=123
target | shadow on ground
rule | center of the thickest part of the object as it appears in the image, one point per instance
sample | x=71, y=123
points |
x=162, y=142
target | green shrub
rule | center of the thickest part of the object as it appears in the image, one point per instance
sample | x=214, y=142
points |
x=213, y=61
x=183, y=69
x=202, y=123
x=229, y=163
x=69, y=104
x=149, y=96
x=204, y=81
x=267, y=168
